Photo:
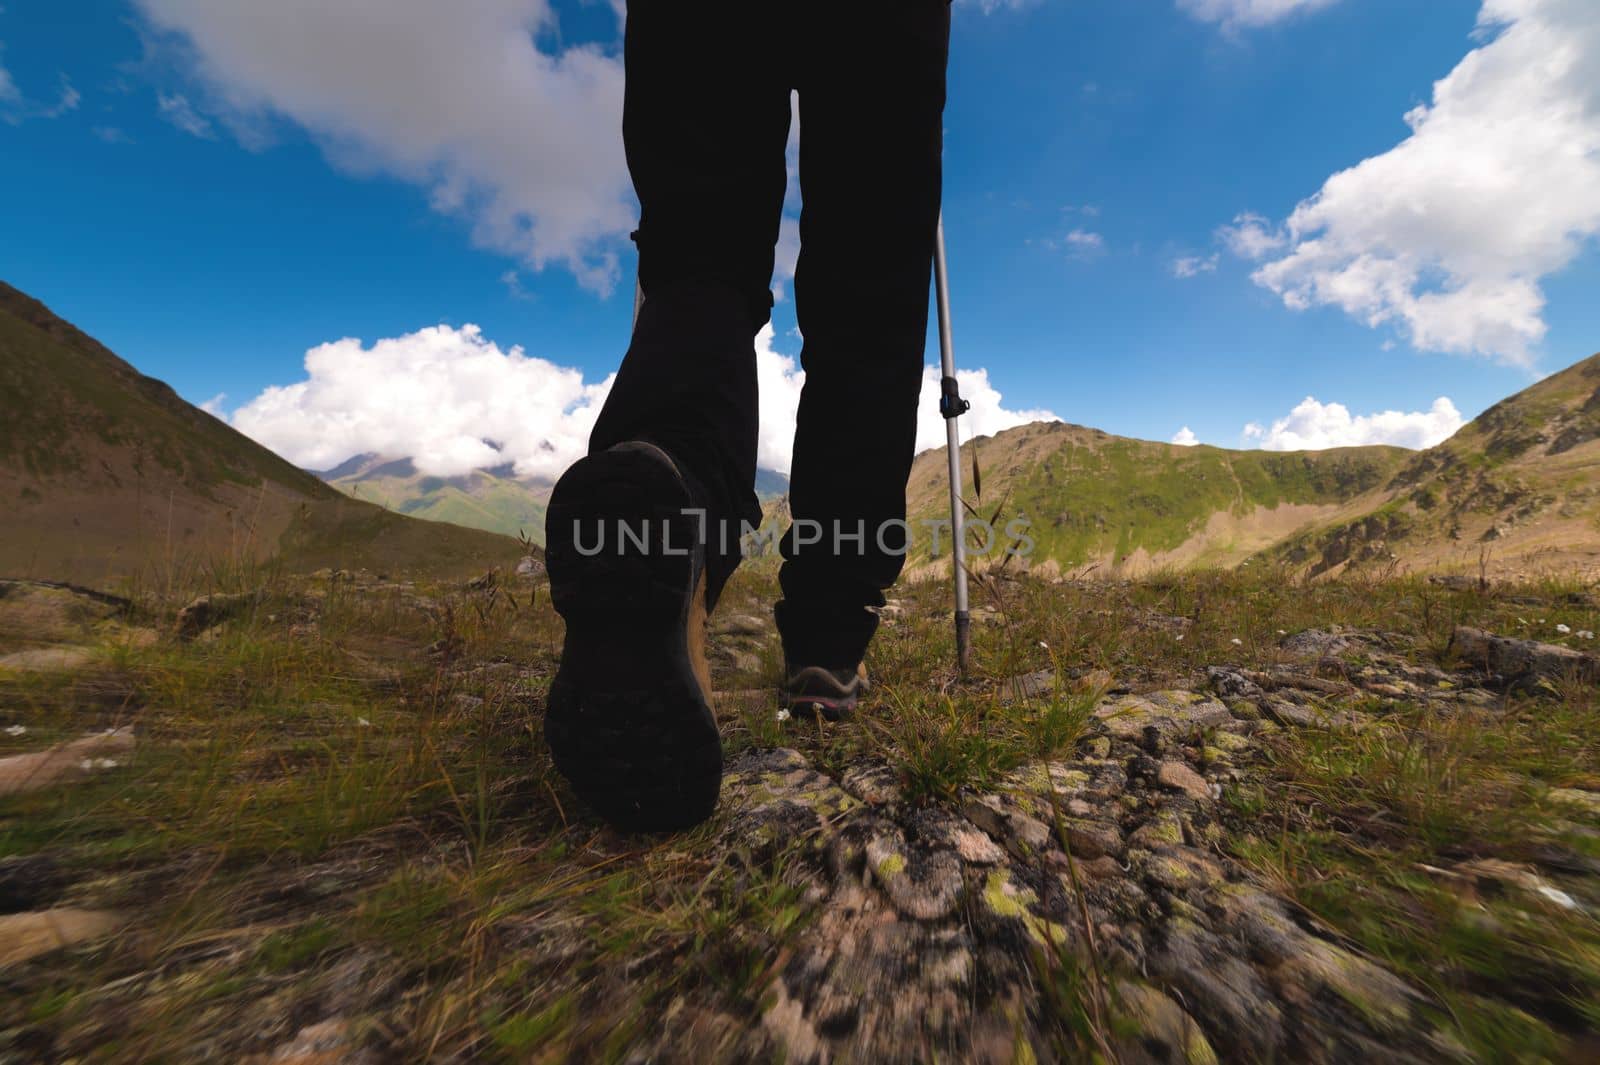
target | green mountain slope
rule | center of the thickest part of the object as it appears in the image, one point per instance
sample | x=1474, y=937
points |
x=1518, y=488
x=106, y=474
x=496, y=500
x=1101, y=501
x=493, y=500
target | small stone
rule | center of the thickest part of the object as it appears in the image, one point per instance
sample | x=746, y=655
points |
x=1164, y=830
x=1315, y=717
x=28, y=935
x=25, y=773
x=1104, y=868
x=1126, y=717
x=873, y=783
x=210, y=610
x=1315, y=643
x=1028, y=686
x=48, y=660
x=740, y=625
x=1093, y=839
x=1096, y=746
x=1179, y=777
x=332, y=1042
x=1161, y=1023
x=1577, y=798
x=923, y=885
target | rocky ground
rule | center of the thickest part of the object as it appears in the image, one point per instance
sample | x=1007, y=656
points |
x=1222, y=818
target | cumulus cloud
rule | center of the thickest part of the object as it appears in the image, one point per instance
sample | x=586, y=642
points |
x=988, y=415
x=471, y=101
x=1193, y=266
x=1449, y=236
x=448, y=398
x=1313, y=426
x=1235, y=14
x=1185, y=438
x=454, y=401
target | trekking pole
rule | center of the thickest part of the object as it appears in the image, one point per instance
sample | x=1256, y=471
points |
x=952, y=407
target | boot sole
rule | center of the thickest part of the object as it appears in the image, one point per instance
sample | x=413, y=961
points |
x=628, y=723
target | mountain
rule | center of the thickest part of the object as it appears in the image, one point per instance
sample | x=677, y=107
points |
x=108, y=474
x=496, y=500
x=1518, y=488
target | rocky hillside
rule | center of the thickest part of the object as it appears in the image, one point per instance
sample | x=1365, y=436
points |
x=107, y=474
x=1516, y=491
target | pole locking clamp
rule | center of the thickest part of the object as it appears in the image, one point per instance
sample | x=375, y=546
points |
x=951, y=405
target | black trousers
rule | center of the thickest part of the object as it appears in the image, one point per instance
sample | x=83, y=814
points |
x=706, y=124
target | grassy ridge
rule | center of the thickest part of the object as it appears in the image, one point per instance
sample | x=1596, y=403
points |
x=66, y=402
x=1093, y=496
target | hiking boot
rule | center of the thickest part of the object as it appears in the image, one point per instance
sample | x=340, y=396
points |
x=832, y=694
x=629, y=721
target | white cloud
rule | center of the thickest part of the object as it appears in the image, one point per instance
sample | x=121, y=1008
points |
x=520, y=140
x=1252, y=237
x=213, y=406
x=1449, y=236
x=448, y=398
x=177, y=110
x=1086, y=241
x=1079, y=243
x=1185, y=438
x=779, y=380
x=454, y=401
x=1193, y=266
x=1235, y=14
x=987, y=416
x=1313, y=426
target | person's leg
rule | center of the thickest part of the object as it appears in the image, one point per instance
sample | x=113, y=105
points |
x=705, y=123
x=629, y=718
x=872, y=90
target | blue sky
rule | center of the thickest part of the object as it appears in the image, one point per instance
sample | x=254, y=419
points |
x=1162, y=214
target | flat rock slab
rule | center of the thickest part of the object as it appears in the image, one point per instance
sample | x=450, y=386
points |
x=48, y=660
x=24, y=773
x=24, y=936
x=1522, y=658
x=1127, y=716
x=47, y=612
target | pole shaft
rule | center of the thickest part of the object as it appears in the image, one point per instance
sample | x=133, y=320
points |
x=947, y=356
